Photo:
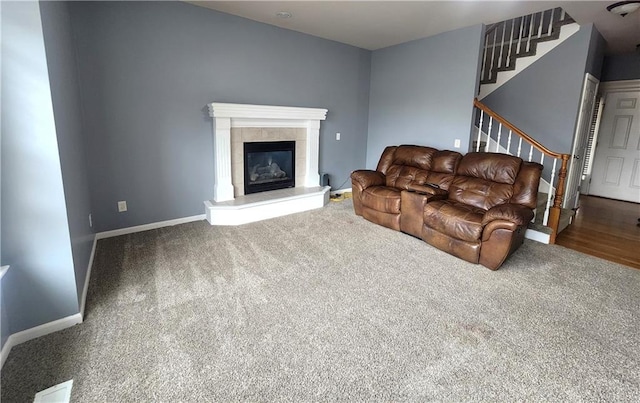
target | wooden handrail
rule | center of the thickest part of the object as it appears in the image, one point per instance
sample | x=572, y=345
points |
x=519, y=132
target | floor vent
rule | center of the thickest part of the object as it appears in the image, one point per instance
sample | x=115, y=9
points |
x=60, y=393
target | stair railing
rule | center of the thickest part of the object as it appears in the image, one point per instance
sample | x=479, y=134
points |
x=496, y=134
x=507, y=40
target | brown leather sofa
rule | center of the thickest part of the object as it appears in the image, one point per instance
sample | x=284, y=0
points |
x=479, y=212
x=488, y=207
x=401, y=178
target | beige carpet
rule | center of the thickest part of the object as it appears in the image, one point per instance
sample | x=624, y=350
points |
x=323, y=306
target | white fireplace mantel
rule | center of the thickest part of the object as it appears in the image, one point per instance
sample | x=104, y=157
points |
x=227, y=116
x=229, y=209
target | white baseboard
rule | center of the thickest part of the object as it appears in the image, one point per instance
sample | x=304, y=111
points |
x=38, y=331
x=147, y=227
x=63, y=323
x=83, y=299
x=340, y=191
x=537, y=236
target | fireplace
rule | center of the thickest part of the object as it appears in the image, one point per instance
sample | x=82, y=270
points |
x=236, y=124
x=269, y=166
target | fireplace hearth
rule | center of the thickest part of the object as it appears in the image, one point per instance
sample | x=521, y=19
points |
x=269, y=166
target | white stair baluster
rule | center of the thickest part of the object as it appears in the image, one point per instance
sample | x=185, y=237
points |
x=510, y=52
x=519, y=147
x=486, y=146
x=479, y=131
x=530, y=152
x=504, y=26
x=486, y=53
x=520, y=36
x=551, y=21
x=494, y=73
x=540, y=24
x=498, y=141
x=545, y=219
x=509, y=143
x=530, y=34
x=542, y=159
x=490, y=61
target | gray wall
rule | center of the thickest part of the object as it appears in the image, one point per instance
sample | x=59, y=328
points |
x=595, y=54
x=4, y=319
x=4, y=324
x=147, y=71
x=422, y=92
x=621, y=67
x=61, y=61
x=40, y=286
x=543, y=99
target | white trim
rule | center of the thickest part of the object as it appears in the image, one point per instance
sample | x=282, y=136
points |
x=582, y=127
x=617, y=86
x=537, y=236
x=223, y=110
x=228, y=116
x=266, y=205
x=38, y=331
x=87, y=277
x=243, y=122
x=150, y=226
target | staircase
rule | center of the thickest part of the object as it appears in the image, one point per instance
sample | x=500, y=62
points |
x=510, y=47
x=513, y=45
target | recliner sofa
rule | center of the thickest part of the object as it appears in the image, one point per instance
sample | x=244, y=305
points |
x=377, y=195
x=475, y=207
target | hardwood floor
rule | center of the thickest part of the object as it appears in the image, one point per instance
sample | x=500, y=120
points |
x=605, y=228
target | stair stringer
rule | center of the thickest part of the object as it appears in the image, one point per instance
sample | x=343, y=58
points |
x=522, y=63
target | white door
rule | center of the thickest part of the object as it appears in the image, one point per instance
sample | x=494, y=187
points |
x=616, y=166
x=587, y=103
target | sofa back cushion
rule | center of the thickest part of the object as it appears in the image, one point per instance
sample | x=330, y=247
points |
x=386, y=159
x=484, y=180
x=525, y=189
x=407, y=164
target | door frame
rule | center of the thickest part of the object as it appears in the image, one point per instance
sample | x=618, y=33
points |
x=583, y=122
x=586, y=177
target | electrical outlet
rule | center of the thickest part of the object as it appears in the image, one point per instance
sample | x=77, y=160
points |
x=338, y=136
x=122, y=206
x=456, y=143
x=90, y=221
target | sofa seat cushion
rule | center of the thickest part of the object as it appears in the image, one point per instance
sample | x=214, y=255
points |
x=382, y=198
x=458, y=220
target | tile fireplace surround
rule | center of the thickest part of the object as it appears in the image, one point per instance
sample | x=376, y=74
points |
x=235, y=123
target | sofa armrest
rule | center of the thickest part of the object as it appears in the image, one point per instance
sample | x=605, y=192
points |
x=427, y=190
x=514, y=213
x=366, y=178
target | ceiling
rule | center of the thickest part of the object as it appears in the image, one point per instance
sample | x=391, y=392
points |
x=378, y=24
